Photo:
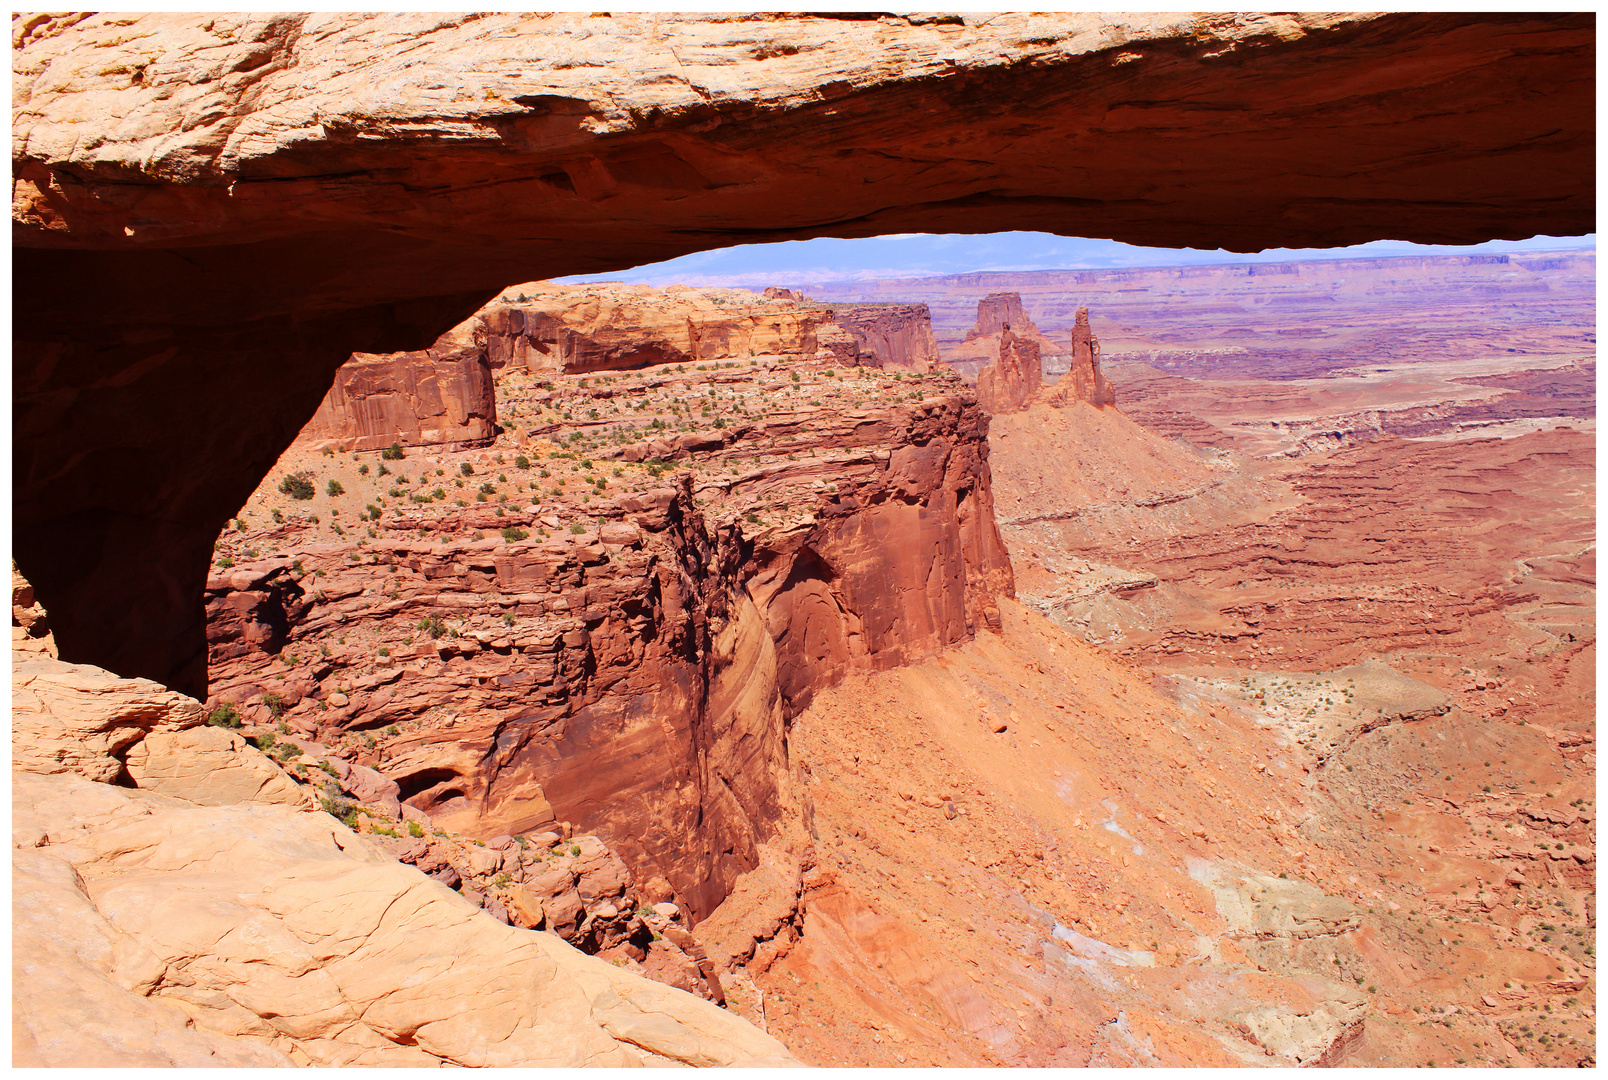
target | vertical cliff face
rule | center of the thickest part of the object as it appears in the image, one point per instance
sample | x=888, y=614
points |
x=632, y=667
x=437, y=397
x=890, y=335
x=1000, y=311
x=997, y=314
x=575, y=329
x=1014, y=377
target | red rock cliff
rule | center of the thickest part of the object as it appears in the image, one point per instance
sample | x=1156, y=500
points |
x=997, y=313
x=573, y=329
x=890, y=335
x=439, y=397
x=1011, y=380
x=635, y=677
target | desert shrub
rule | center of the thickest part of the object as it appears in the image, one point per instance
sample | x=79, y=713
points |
x=512, y=533
x=334, y=488
x=362, y=470
x=577, y=528
x=297, y=486
x=225, y=716
x=275, y=703
x=521, y=462
x=225, y=562
x=415, y=830
x=467, y=469
x=393, y=452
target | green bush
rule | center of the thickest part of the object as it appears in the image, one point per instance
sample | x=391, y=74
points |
x=393, y=452
x=467, y=469
x=415, y=830
x=521, y=462
x=362, y=470
x=275, y=703
x=225, y=715
x=433, y=626
x=297, y=486
x=577, y=528
x=513, y=533
x=334, y=489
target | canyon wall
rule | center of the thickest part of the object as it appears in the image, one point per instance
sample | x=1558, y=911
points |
x=634, y=673
x=889, y=335
x=436, y=397
x=574, y=329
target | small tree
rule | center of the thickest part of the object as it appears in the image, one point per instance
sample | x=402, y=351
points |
x=225, y=716
x=335, y=488
x=393, y=452
x=513, y=533
x=297, y=486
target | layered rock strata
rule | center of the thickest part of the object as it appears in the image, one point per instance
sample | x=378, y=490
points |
x=632, y=667
x=171, y=920
x=889, y=335
x=576, y=329
x=442, y=396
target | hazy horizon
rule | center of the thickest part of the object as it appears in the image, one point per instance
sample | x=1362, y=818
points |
x=918, y=255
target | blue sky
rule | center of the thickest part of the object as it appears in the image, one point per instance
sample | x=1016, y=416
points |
x=924, y=254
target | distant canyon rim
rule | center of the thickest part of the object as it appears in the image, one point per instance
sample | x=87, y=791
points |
x=1172, y=666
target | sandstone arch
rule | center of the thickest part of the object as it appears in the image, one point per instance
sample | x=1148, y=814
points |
x=211, y=212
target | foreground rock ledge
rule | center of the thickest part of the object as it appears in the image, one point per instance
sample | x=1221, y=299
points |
x=213, y=212
x=149, y=930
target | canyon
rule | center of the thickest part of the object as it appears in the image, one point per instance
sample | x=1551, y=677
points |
x=413, y=669
x=655, y=613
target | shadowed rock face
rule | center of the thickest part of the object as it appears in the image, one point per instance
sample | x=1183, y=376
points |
x=214, y=212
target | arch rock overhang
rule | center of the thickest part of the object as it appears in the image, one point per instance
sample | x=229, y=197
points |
x=210, y=212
